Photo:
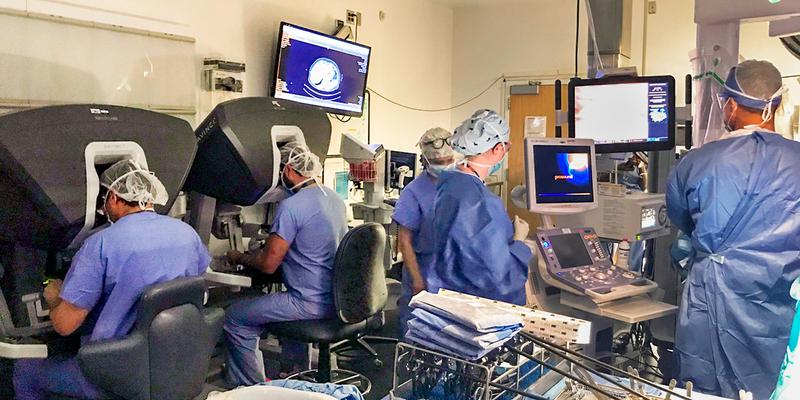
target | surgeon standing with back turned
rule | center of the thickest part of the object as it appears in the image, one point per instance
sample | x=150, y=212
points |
x=738, y=199
x=477, y=249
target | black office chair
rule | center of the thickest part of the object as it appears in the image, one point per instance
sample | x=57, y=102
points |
x=359, y=293
x=166, y=356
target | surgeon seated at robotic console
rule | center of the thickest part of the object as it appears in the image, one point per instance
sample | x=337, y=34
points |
x=304, y=237
x=108, y=275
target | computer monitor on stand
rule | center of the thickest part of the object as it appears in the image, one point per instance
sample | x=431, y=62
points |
x=560, y=176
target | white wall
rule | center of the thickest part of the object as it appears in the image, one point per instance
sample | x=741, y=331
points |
x=536, y=38
x=755, y=43
x=671, y=36
x=411, y=58
x=533, y=38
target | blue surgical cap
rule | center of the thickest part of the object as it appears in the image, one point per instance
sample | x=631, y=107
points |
x=758, y=74
x=479, y=133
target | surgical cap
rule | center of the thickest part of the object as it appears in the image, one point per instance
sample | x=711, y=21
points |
x=133, y=183
x=479, y=133
x=301, y=159
x=754, y=84
x=434, y=144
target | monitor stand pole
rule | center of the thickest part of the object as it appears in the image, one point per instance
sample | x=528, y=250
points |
x=547, y=222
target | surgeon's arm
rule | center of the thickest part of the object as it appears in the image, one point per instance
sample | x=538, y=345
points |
x=677, y=202
x=405, y=238
x=267, y=260
x=65, y=316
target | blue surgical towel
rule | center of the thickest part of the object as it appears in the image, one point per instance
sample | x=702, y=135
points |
x=462, y=333
x=476, y=315
x=341, y=392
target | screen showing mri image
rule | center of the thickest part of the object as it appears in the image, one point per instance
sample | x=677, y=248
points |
x=321, y=70
x=563, y=174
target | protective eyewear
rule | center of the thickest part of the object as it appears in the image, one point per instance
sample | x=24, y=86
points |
x=435, y=143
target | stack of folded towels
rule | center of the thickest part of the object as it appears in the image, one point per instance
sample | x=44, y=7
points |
x=463, y=327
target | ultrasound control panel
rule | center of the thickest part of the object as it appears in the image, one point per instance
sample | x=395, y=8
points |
x=575, y=260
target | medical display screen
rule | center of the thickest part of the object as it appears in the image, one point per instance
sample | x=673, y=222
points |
x=320, y=70
x=570, y=250
x=563, y=174
x=649, y=218
x=624, y=116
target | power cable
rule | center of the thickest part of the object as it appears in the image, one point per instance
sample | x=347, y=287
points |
x=377, y=93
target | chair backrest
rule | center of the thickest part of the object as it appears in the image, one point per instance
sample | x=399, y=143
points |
x=359, y=276
x=166, y=356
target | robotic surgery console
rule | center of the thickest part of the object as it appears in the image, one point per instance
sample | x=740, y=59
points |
x=573, y=259
x=50, y=162
x=236, y=173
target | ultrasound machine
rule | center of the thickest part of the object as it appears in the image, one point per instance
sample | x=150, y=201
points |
x=573, y=272
x=561, y=179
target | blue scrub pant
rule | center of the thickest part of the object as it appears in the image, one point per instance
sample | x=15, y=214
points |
x=35, y=379
x=402, y=303
x=244, y=323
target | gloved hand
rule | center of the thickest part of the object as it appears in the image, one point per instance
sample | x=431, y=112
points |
x=521, y=228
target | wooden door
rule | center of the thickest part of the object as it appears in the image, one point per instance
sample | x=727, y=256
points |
x=542, y=104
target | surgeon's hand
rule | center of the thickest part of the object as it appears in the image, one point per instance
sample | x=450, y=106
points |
x=52, y=292
x=521, y=228
x=233, y=256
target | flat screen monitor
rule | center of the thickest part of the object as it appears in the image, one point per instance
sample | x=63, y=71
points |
x=560, y=175
x=398, y=177
x=320, y=70
x=623, y=114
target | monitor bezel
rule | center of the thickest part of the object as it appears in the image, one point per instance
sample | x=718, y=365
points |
x=530, y=176
x=330, y=110
x=615, y=80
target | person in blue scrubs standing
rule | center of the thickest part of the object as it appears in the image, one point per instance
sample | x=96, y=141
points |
x=108, y=275
x=305, y=235
x=477, y=249
x=738, y=200
x=414, y=216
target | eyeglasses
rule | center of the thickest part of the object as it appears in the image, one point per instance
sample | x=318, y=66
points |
x=435, y=143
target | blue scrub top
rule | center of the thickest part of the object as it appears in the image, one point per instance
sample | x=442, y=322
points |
x=474, y=249
x=116, y=265
x=414, y=211
x=313, y=223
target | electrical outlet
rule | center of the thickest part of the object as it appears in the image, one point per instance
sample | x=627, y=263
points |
x=651, y=7
x=353, y=17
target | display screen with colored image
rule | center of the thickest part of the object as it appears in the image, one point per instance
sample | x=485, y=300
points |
x=320, y=70
x=563, y=174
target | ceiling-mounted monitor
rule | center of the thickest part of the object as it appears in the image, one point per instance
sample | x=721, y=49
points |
x=320, y=70
x=623, y=113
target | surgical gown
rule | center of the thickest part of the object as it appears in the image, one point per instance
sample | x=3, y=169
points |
x=739, y=201
x=474, y=250
x=414, y=211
